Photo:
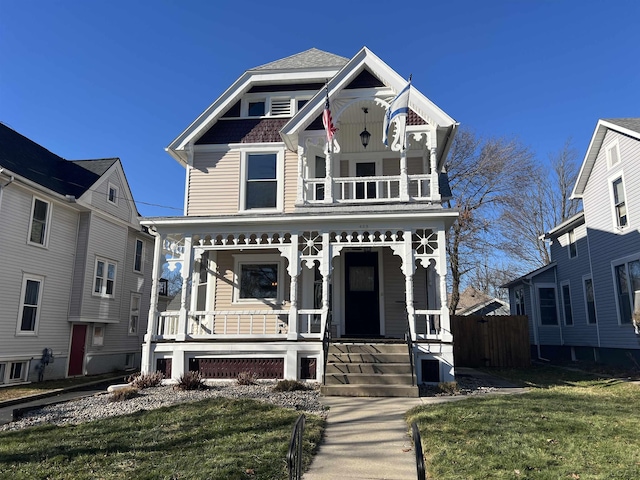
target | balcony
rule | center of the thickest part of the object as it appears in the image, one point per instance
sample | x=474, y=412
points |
x=365, y=190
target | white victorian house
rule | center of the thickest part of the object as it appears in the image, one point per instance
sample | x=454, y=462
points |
x=303, y=258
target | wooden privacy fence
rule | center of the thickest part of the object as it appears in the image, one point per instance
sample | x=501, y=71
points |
x=491, y=341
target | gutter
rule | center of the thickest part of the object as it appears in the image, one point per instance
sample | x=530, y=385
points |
x=2, y=187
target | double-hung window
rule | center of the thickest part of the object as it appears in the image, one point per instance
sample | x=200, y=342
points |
x=138, y=256
x=547, y=306
x=112, y=194
x=627, y=281
x=566, y=304
x=261, y=186
x=619, y=203
x=31, y=299
x=519, y=301
x=590, y=300
x=573, y=247
x=134, y=313
x=39, y=230
x=104, y=278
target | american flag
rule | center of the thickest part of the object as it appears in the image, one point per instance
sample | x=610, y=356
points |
x=327, y=121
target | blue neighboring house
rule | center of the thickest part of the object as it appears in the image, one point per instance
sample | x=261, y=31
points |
x=585, y=305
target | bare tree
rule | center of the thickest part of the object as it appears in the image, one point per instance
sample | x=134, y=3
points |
x=539, y=209
x=485, y=176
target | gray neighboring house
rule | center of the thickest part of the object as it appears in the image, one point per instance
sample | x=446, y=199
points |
x=474, y=302
x=75, y=265
x=585, y=304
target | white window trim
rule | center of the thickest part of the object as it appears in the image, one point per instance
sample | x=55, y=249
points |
x=117, y=193
x=279, y=179
x=614, y=264
x=268, y=98
x=612, y=178
x=615, y=145
x=131, y=313
x=5, y=372
x=567, y=283
x=25, y=278
x=103, y=291
x=253, y=259
x=135, y=249
x=539, y=312
x=47, y=225
x=97, y=340
x=586, y=303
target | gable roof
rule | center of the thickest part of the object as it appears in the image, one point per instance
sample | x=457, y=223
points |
x=309, y=59
x=626, y=126
x=529, y=276
x=22, y=156
x=473, y=300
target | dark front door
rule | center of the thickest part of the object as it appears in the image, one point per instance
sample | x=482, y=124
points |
x=76, y=355
x=362, y=302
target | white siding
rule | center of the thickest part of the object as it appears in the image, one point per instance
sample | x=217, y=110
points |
x=122, y=209
x=214, y=183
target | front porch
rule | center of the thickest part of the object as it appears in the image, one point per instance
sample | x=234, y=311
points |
x=260, y=295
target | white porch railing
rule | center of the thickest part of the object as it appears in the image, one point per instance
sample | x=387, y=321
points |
x=428, y=325
x=167, y=324
x=368, y=189
x=309, y=323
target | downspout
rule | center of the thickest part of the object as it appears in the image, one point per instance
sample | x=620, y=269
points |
x=11, y=179
x=147, y=353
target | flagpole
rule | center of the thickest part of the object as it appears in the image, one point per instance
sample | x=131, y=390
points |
x=404, y=178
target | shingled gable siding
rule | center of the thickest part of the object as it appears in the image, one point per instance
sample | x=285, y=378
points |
x=214, y=183
x=244, y=130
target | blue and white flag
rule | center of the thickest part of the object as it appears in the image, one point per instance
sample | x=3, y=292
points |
x=399, y=108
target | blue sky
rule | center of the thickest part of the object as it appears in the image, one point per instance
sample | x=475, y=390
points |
x=89, y=79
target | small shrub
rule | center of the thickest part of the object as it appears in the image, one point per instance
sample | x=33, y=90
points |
x=247, y=378
x=449, y=387
x=122, y=394
x=289, y=386
x=145, y=380
x=191, y=380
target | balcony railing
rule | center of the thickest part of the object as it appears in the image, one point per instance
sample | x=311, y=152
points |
x=368, y=189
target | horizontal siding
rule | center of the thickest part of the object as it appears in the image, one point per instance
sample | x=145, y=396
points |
x=214, y=183
x=123, y=209
x=290, y=180
x=54, y=263
x=395, y=312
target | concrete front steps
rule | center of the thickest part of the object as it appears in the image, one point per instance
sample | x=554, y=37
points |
x=368, y=370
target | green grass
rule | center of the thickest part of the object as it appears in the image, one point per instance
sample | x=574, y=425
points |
x=571, y=425
x=9, y=393
x=211, y=439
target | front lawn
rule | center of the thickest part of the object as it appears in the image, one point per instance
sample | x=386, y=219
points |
x=211, y=439
x=569, y=426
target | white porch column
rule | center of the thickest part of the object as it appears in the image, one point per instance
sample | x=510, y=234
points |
x=404, y=177
x=185, y=295
x=408, y=268
x=325, y=271
x=441, y=268
x=300, y=186
x=293, y=256
x=328, y=179
x=152, y=319
x=435, y=179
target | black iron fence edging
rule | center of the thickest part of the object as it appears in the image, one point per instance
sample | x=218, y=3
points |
x=294, y=455
x=417, y=446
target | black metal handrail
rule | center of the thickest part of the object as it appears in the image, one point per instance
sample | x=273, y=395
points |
x=326, y=340
x=294, y=456
x=417, y=446
x=407, y=336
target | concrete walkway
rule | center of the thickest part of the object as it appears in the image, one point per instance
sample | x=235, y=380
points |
x=368, y=438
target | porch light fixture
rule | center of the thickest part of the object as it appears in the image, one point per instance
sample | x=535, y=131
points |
x=365, y=136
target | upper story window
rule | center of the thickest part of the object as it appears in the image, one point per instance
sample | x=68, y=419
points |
x=627, y=281
x=261, y=188
x=138, y=256
x=573, y=247
x=40, y=215
x=613, y=154
x=619, y=203
x=256, y=109
x=112, y=194
x=104, y=278
x=274, y=105
x=590, y=300
x=30, y=302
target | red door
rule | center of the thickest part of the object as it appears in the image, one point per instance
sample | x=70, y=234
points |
x=76, y=355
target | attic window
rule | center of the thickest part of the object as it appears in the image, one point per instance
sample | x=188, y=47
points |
x=613, y=154
x=112, y=195
x=256, y=109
